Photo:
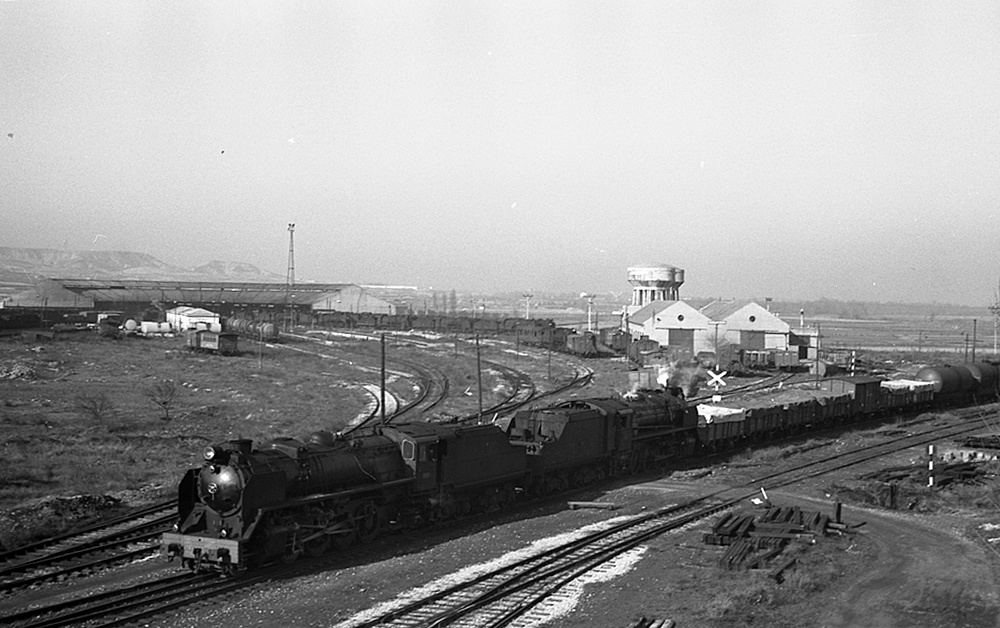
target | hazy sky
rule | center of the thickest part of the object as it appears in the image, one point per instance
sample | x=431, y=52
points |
x=787, y=149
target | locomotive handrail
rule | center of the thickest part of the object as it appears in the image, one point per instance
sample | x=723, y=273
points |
x=300, y=501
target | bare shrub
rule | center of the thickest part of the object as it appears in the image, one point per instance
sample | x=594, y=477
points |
x=164, y=393
x=741, y=598
x=97, y=406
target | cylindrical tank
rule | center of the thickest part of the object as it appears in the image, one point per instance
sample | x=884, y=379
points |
x=988, y=375
x=131, y=325
x=975, y=372
x=948, y=379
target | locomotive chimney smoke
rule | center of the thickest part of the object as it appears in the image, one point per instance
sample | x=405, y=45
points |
x=687, y=378
x=666, y=372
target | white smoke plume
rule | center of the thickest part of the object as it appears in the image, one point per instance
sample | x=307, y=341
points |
x=687, y=377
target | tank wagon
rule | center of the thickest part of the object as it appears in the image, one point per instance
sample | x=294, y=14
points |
x=962, y=383
x=255, y=330
x=246, y=506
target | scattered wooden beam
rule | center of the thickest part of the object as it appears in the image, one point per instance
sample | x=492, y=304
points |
x=601, y=505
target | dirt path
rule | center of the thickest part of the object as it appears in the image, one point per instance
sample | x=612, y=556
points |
x=926, y=574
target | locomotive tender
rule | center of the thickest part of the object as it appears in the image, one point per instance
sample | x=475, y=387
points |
x=247, y=506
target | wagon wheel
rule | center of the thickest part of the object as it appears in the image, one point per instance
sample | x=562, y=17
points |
x=506, y=496
x=635, y=463
x=290, y=556
x=366, y=522
x=563, y=481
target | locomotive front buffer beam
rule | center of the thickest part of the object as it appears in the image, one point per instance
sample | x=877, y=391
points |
x=202, y=552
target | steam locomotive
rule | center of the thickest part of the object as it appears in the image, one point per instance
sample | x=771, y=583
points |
x=248, y=506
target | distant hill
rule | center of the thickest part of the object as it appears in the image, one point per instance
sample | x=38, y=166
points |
x=23, y=269
x=236, y=270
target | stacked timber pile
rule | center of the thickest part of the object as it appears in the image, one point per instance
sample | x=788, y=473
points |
x=645, y=622
x=991, y=441
x=755, y=540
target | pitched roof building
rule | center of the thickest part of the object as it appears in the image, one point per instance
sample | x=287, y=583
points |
x=747, y=325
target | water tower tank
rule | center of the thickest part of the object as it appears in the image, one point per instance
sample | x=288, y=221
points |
x=655, y=282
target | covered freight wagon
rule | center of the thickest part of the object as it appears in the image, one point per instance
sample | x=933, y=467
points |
x=719, y=427
x=866, y=391
x=223, y=343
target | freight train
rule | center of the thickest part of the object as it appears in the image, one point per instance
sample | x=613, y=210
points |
x=246, y=506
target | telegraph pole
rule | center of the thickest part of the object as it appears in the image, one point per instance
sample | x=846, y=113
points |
x=479, y=379
x=995, y=310
x=290, y=277
x=974, y=339
x=382, y=386
x=527, y=303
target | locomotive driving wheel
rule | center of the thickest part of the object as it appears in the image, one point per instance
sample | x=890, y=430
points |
x=317, y=546
x=320, y=543
x=366, y=522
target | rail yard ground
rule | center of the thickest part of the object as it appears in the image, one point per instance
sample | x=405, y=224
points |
x=108, y=424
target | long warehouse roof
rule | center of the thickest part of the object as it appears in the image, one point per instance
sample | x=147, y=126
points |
x=137, y=290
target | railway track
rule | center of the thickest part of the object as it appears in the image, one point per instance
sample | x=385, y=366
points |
x=107, y=543
x=433, y=390
x=433, y=387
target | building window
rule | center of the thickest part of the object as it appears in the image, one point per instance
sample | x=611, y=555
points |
x=753, y=318
x=680, y=317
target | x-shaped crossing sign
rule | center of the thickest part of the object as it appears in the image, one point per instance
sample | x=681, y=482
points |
x=716, y=380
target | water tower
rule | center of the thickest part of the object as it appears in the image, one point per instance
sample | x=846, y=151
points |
x=654, y=282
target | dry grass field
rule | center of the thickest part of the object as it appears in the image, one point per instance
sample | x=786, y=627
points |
x=86, y=415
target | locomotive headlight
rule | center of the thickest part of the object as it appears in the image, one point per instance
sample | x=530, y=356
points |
x=210, y=453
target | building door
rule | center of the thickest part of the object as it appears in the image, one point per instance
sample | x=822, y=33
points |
x=752, y=340
x=681, y=339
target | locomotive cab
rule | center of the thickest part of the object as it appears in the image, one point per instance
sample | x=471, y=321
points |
x=421, y=452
